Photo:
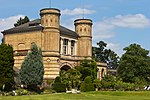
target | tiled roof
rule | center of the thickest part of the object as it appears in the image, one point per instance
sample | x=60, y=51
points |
x=35, y=25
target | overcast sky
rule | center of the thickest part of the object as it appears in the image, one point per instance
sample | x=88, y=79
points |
x=117, y=22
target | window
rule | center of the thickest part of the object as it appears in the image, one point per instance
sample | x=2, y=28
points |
x=65, y=46
x=72, y=47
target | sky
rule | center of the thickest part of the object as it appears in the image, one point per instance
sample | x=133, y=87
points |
x=119, y=23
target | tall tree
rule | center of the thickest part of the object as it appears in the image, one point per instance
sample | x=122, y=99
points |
x=21, y=21
x=32, y=70
x=108, y=56
x=6, y=67
x=134, y=64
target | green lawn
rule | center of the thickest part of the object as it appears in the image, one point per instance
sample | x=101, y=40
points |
x=104, y=95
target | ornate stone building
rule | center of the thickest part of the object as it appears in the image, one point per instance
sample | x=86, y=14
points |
x=61, y=47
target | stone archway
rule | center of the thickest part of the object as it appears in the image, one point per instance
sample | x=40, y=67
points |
x=65, y=66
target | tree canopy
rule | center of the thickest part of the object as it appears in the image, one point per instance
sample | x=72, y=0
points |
x=134, y=64
x=88, y=68
x=108, y=56
x=22, y=21
x=6, y=67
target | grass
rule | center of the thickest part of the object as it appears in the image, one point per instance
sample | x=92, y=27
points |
x=102, y=95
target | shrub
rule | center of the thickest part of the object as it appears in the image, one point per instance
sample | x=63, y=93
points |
x=87, y=85
x=58, y=86
x=119, y=85
x=108, y=82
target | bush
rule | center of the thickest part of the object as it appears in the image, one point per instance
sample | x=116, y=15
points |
x=58, y=86
x=108, y=82
x=22, y=92
x=87, y=85
x=119, y=85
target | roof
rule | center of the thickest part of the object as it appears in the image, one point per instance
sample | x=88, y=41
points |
x=35, y=25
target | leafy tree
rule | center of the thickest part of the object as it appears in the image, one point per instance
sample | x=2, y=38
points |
x=32, y=70
x=6, y=67
x=108, y=56
x=134, y=64
x=88, y=68
x=71, y=78
x=21, y=21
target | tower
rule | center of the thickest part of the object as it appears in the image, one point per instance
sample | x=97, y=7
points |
x=50, y=21
x=84, y=29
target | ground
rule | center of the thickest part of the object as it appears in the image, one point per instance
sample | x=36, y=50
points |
x=104, y=95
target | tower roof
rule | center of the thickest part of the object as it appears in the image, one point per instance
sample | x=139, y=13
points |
x=35, y=25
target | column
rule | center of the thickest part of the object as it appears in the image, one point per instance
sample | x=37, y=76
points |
x=61, y=46
x=69, y=47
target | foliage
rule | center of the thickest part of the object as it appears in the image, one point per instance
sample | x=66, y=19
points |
x=134, y=64
x=58, y=86
x=87, y=85
x=22, y=92
x=71, y=78
x=120, y=85
x=102, y=54
x=97, y=84
x=88, y=68
x=6, y=67
x=21, y=21
x=32, y=70
x=108, y=82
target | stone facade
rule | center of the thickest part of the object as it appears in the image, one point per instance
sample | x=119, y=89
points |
x=62, y=48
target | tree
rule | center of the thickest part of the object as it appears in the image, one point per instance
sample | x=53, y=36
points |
x=88, y=68
x=21, y=21
x=102, y=54
x=71, y=78
x=134, y=64
x=32, y=70
x=6, y=67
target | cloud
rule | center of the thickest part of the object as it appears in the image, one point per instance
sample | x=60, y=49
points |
x=115, y=47
x=105, y=29
x=6, y=23
x=102, y=30
x=77, y=11
x=129, y=21
x=9, y=22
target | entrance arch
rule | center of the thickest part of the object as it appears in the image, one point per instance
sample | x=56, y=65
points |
x=65, y=67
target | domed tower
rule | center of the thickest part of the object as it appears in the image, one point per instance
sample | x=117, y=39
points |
x=84, y=29
x=50, y=21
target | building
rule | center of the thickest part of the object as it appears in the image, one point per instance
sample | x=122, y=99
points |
x=61, y=47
